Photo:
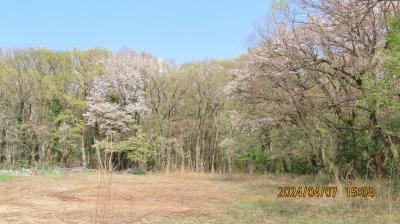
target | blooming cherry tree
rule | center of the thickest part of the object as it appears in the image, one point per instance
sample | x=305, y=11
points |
x=116, y=98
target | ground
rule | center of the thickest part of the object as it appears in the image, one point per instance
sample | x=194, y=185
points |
x=182, y=198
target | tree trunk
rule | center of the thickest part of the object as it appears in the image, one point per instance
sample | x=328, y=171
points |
x=110, y=165
x=229, y=163
x=198, y=139
x=189, y=157
x=321, y=157
x=212, y=163
x=393, y=149
x=99, y=161
x=8, y=151
x=182, y=156
x=213, y=151
x=83, y=151
x=168, y=162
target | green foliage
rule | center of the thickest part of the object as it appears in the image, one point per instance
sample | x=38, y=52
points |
x=66, y=141
x=354, y=149
x=392, y=60
x=113, y=97
x=138, y=147
x=255, y=156
x=300, y=165
x=6, y=177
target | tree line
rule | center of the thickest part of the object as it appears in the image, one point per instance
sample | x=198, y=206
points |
x=317, y=92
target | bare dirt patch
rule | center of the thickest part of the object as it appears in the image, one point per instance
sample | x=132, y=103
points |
x=88, y=198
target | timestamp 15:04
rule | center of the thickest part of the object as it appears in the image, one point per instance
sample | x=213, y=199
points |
x=326, y=191
x=364, y=192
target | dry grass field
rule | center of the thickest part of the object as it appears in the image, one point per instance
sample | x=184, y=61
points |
x=182, y=198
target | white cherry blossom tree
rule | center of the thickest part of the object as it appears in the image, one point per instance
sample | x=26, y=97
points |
x=116, y=99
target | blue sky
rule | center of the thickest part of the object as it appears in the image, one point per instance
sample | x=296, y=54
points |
x=182, y=30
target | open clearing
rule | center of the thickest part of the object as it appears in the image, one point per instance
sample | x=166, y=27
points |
x=181, y=198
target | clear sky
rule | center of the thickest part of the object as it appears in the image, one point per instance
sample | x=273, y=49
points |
x=182, y=30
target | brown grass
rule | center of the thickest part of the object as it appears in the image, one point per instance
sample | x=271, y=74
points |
x=82, y=198
x=179, y=198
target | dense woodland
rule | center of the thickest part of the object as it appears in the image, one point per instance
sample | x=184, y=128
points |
x=318, y=92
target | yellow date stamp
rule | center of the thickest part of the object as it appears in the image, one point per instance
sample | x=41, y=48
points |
x=307, y=191
x=324, y=191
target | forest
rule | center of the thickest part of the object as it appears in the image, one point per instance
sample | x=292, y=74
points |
x=318, y=93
